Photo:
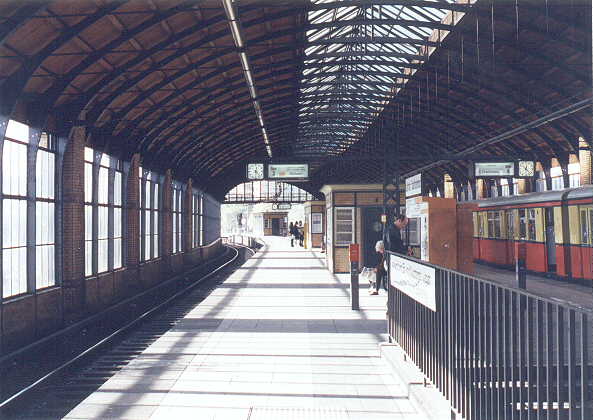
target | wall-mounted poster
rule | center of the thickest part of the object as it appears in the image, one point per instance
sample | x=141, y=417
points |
x=316, y=223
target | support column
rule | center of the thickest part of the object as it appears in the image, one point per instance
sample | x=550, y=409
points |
x=73, y=281
x=132, y=226
x=449, y=186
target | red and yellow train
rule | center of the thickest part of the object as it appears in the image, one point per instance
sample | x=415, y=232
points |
x=556, y=227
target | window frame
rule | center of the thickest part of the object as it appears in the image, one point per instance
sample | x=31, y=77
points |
x=152, y=182
x=177, y=201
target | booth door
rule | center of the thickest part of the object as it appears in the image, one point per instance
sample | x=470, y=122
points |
x=276, y=227
x=372, y=231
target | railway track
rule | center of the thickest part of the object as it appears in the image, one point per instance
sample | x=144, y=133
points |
x=96, y=359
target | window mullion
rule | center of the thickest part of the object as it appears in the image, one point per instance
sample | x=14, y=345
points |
x=110, y=215
x=34, y=135
x=95, y=213
x=142, y=196
x=152, y=212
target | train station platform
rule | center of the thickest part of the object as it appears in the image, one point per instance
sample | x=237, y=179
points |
x=277, y=340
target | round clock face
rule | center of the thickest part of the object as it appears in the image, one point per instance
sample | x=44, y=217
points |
x=255, y=171
x=526, y=168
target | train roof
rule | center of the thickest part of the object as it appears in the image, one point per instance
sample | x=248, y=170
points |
x=540, y=197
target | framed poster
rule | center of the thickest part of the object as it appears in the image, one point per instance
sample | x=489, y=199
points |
x=316, y=223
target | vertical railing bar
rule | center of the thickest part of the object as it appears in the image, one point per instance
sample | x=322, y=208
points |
x=560, y=360
x=493, y=358
x=549, y=359
x=521, y=355
x=505, y=362
x=513, y=335
x=488, y=350
x=586, y=371
x=528, y=357
x=571, y=365
x=539, y=328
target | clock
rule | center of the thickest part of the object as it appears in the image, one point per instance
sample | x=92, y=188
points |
x=255, y=171
x=526, y=168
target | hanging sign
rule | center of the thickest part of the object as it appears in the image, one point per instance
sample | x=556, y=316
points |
x=415, y=280
x=414, y=185
x=288, y=171
x=494, y=169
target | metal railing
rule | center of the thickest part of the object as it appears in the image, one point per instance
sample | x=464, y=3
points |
x=248, y=241
x=496, y=352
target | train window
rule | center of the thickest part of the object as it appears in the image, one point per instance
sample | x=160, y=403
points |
x=531, y=224
x=590, y=225
x=510, y=224
x=494, y=224
x=585, y=227
x=522, y=224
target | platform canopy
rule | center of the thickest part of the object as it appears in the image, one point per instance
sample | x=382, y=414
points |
x=203, y=87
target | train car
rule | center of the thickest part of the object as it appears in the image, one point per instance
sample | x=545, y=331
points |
x=556, y=227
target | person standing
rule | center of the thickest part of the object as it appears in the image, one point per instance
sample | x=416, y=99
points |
x=379, y=269
x=301, y=231
x=394, y=235
x=291, y=233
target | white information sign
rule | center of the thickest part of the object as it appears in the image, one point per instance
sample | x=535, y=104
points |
x=485, y=169
x=415, y=280
x=414, y=185
x=316, y=223
x=285, y=170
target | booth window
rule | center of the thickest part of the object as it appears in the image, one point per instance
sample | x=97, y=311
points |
x=413, y=231
x=344, y=228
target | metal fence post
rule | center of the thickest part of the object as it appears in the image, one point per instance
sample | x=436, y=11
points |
x=354, y=287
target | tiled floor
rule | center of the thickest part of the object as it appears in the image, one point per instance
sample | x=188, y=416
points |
x=278, y=340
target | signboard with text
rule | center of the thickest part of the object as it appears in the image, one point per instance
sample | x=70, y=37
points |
x=288, y=171
x=494, y=169
x=414, y=185
x=415, y=280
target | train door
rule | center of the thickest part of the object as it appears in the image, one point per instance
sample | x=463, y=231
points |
x=550, y=239
x=276, y=227
x=372, y=231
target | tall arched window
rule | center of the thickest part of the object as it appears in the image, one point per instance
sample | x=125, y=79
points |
x=103, y=212
x=150, y=211
x=28, y=207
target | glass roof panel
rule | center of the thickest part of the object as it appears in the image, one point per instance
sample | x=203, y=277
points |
x=351, y=66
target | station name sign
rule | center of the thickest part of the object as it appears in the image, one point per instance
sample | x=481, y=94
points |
x=414, y=185
x=288, y=171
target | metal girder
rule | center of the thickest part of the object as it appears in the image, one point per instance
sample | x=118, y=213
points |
x=189, y=106
x=360, y=72
x=458, y=7
x=352, y=82
x=398, y=64
x=374, y=40
x=378, y=22
x=346, y=54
